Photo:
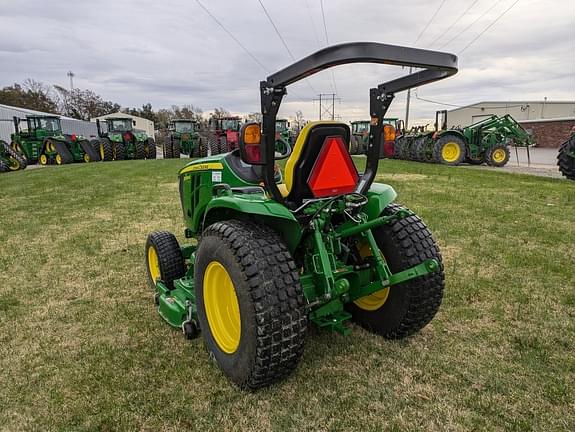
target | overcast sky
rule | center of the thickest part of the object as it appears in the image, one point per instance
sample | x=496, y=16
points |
x=173, y=52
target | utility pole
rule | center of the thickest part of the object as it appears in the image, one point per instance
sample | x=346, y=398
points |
x=327, y=105
x=407, y=104
x=71, y=75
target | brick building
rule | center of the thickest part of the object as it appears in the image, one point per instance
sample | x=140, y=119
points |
x=549, y=133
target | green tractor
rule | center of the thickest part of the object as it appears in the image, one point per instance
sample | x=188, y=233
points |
x=43, y=141
x=10, y=159
x=184, y=137
x=284, y=140
x=566, y=157
x=486, y=141
x=360, y=137
x=120, y=141
x=324, y=245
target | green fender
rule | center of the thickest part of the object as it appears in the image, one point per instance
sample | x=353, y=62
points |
x=254, y=207
x=379, y=196
x=450, y=132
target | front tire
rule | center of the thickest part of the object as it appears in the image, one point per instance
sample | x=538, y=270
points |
x=403, y=309
x=498, y=156
x=250, y=303
x=164, y=259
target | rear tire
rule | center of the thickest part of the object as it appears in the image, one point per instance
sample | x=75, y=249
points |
x=106, y=150
x=449, y=150
x=150, y=149
x=119, y=150
x=258, y=338
x=139, y=150
x=164, y=259
x=411, y=305
x=176, y=149
x=565, y=162
x=213, y=145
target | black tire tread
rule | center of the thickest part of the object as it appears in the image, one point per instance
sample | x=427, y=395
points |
x=565, y=162
x=107, y=147
x=170, y=257
x=277, y=296
x=413, y=244
x=14, y=154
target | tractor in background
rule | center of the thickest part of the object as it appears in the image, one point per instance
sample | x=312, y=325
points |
x=184, y=137
x=360, y=137
x=566, y=157
x=224, y=134
x=42, y=140
x=284, y=139
x=10, y=159
x=324, y=245
x=120, y=141
x=486, y=141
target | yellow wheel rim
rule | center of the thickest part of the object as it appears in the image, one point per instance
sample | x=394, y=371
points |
x=377, y=299
x=451, y=152
x=43, y=159
x=14, y=165
x=498, y=155
x=50, y=146
x=59, y=159
x=153, y=263
x=86, y=157
x=102, y=151
x=222, y=308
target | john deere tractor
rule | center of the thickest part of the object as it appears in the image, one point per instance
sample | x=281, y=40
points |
x=184, y=137
x=224, y=134
x=566, y=157
x=119, y=140
x=359, y=137
x=283, y=136
x=324, y=245
x=42, y=140
x=10, y=159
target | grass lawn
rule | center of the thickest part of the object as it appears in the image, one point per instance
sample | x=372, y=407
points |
x=82, y=347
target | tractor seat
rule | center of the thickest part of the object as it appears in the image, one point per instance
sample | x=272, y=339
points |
x=320, y=159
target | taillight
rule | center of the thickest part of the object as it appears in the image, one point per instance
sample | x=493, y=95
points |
x=127, y=136
x=333, y=172
x=73, y=137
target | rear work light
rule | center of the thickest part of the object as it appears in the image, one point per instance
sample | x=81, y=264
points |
x=333, y=172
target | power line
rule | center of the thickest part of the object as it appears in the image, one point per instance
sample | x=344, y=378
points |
x=470, y=25
x=283, y=40
x=488, y=27
x=430, y=21
x=327, y=43
x=242, y=46
x=465, y=106
x=233, y=37
x=453, y=23
x=309, y=14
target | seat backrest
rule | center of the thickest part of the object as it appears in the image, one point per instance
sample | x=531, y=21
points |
x=306, y=152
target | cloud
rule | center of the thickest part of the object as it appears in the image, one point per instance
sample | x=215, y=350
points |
x=166, y=53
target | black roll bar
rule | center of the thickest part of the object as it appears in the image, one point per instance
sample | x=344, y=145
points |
x=436, y=66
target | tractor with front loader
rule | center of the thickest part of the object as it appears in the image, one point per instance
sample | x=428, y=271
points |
x=323, y=244
x=10, y=159
x=284, y=139
x=119, y=140
x=184, y=138
x=224, y=134
x=486, y=141
x=566, y=157
x=40, y=139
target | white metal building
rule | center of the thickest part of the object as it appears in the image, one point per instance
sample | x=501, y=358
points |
x=519, y=110
x=141, y=123
x=69, y=125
